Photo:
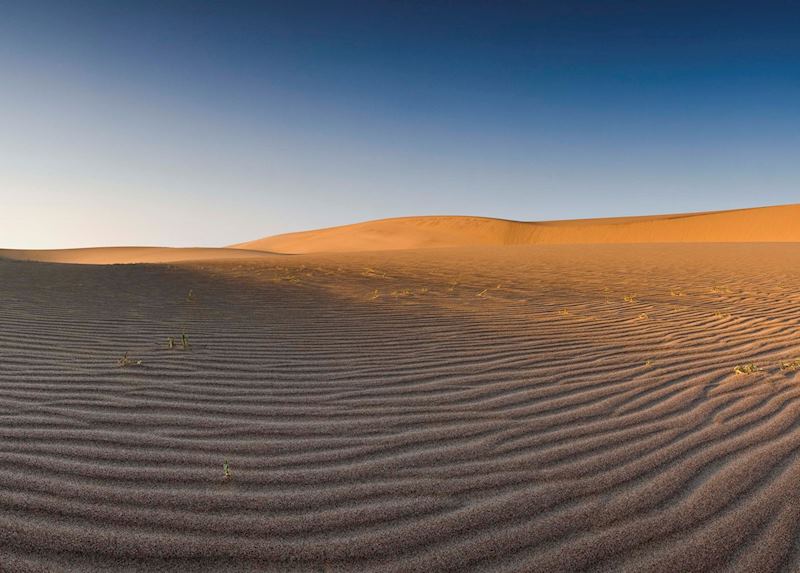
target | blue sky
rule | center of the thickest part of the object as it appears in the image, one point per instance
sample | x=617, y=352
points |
x=200, y=123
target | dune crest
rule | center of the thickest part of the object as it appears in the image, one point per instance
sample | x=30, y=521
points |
x=761, y=224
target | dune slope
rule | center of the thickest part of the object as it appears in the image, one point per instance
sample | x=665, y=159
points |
x=125, y=255
x=548, y=408
x=764, y=224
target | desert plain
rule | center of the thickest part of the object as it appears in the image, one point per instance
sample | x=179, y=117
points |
x=422, y=394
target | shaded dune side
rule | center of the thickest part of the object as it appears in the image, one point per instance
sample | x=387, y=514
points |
x=126, y=255
x=415, y=411
x=765, y=224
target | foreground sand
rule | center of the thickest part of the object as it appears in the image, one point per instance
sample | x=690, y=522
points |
x=534, y=408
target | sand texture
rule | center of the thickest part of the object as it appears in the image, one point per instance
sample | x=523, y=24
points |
x=763, y=224
x=125, y=255
x=529, y=408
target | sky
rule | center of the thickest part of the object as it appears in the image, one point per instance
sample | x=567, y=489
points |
x=209, y=123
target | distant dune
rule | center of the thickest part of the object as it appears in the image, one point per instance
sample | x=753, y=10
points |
x=126, y=255
x=763, y=224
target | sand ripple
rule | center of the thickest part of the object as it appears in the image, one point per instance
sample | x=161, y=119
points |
x=547, y=408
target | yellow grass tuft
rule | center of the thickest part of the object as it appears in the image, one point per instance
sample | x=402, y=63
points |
x=629, y=298
x=125, y=361
x=748, y=368
x=790, y=365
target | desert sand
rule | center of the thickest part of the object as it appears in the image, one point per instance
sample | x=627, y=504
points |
x=126, y=255
x=763, y=224
x=474, y=408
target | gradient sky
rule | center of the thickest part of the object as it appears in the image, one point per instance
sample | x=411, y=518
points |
x=205, y=123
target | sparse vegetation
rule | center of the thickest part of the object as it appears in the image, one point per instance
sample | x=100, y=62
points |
x=483, y=292
x=375, y=294
x=629, y=298
x=748, y=368
x=790, y=365
x=643, y=316
x=564, y=312
x=190, y=296
x=172, y=342
x=226, y=470
x=126, y=361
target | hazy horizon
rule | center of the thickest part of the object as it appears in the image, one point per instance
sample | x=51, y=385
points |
x=188, y=123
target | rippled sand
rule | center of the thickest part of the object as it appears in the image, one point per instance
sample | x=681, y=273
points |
x=532, y=408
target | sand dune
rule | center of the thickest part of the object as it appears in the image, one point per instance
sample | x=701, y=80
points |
x=529, y=408
x=125, y=255
x=764, y=224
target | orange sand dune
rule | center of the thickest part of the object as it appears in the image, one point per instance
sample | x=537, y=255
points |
x=126, y=255
x=763, y=224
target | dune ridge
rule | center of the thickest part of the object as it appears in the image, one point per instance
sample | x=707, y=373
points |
x=760, y=224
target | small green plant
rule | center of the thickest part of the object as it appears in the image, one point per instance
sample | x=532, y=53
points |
x=748, y=368
x=125, y=361
x=184, y=341
x=226, y=470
